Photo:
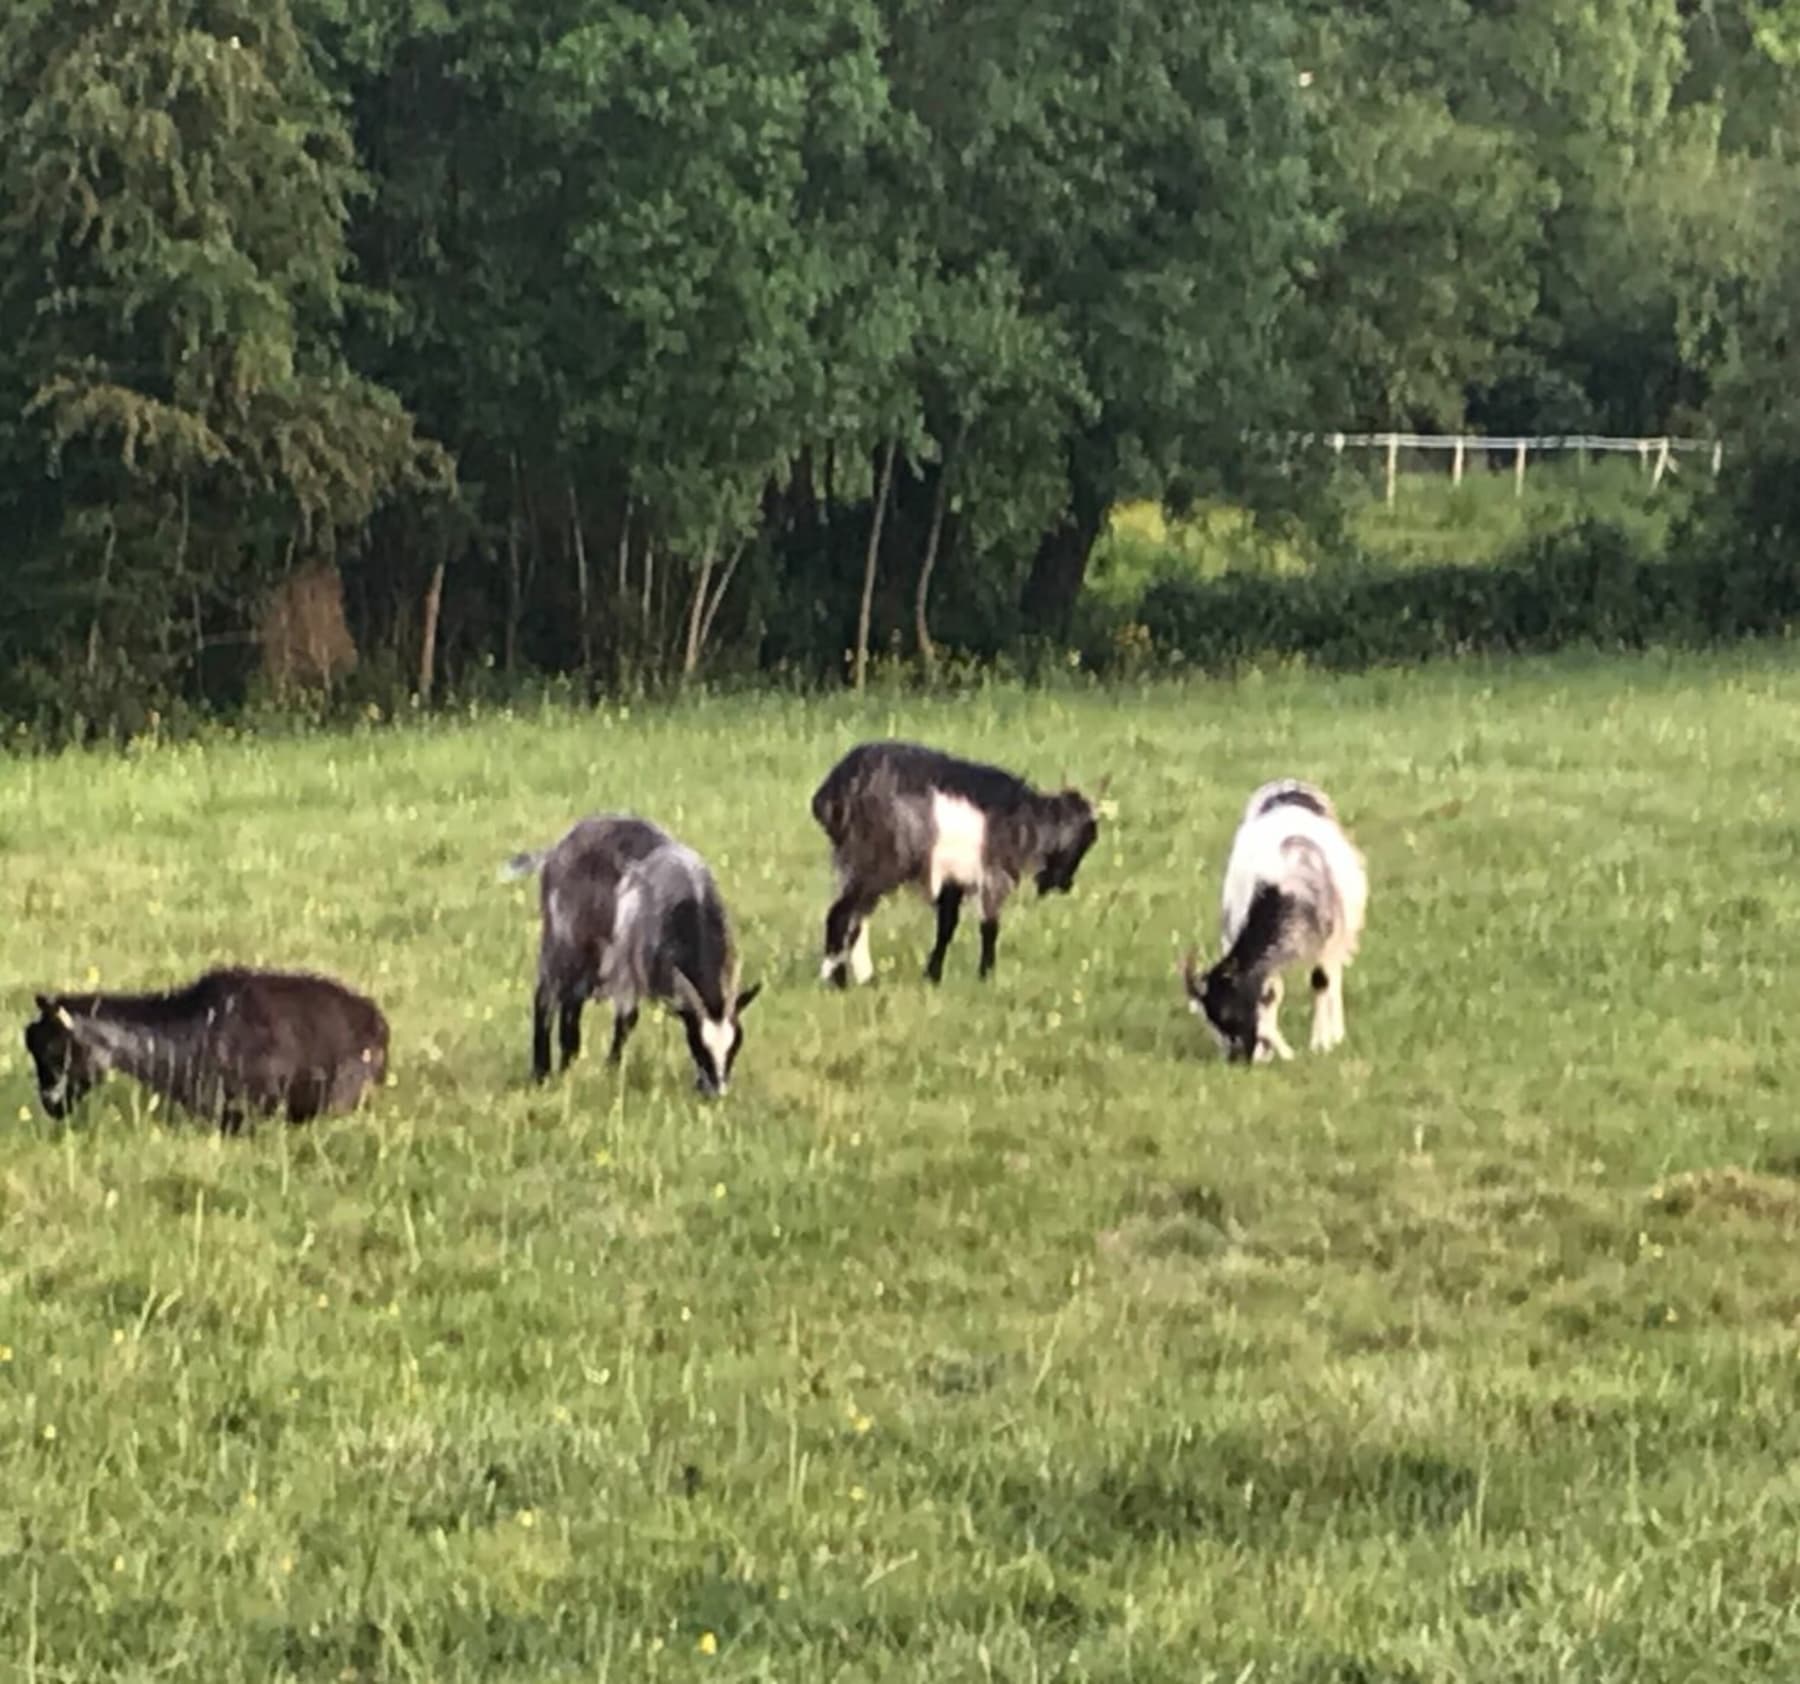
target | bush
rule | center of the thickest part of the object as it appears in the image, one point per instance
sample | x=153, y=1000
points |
x=1593, y=583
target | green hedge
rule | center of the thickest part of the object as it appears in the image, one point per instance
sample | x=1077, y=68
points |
x=1592, y=583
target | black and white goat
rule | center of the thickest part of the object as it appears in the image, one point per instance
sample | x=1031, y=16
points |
x=1295, y=893
x=632, y=914
x=231, y=1042
x=900, y=814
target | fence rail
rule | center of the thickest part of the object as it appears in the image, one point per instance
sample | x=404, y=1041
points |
x=1657, y=454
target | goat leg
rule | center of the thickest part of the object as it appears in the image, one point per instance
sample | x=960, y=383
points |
x=847, y=940
x=568, y=1031
x=624, y=1021
x=540, y=1033
x=949, y=909
x=1327, y=999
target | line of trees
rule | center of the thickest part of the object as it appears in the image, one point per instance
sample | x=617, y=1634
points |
x=636, y=339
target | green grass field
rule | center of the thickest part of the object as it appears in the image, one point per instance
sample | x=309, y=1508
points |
x=982, y=1334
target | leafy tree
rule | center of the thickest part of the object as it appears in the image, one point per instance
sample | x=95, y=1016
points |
x=171, y=275
x=1137, y=171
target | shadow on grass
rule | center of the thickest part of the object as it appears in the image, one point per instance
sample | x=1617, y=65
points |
x=1237, y=1492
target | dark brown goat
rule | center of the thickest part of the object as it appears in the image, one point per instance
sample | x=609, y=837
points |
x=229, y=1043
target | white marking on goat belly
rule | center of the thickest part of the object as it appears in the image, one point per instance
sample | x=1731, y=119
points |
x=717, y=1038
x=959, y=842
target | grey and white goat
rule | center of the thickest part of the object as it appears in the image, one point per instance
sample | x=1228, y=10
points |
x=1295, y=893
x=898, y=814
x=632, y=914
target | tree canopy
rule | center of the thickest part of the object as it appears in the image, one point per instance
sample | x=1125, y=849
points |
x=635, y=340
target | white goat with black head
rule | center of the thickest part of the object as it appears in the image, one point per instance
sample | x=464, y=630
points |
x=900, y=814
x=1295, y=893
x=632, y=914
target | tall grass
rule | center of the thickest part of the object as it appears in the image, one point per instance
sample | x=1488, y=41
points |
x=983, y=1333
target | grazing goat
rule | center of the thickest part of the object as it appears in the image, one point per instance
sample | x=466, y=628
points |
x=231, y=1042
x=1295, y=892
x=632, y=914
x=897, y=813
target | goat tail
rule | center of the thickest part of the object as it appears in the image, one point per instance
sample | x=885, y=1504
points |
x=828, y=808
x=521, y=865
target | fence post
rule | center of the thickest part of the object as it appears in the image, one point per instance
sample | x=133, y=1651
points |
x=1718, y=455
x=1393, y=465
x=1662, y=463
x=1456, y=461
x=1519, y=469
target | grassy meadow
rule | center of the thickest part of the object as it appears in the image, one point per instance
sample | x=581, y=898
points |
x=986, y=1333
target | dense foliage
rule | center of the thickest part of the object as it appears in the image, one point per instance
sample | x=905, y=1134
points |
x=632, y=341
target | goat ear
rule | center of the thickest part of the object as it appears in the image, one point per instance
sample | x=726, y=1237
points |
x=746, y=999
x=46, y=1006
x=687, y=994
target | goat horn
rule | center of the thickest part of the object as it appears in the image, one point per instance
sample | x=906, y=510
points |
x=687, y=994
x=1190, y=967
x=1103, y=786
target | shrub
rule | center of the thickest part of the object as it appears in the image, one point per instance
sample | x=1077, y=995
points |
x=1596, y=582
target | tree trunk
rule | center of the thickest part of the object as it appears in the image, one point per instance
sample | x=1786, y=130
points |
x=718, y=596
x=866, y=611
x=515, y=583
x=921, y=621
x=690, y=657
x=514, y=595
x=1060, y=566
x=434, y=599
x=625, y=559
x=93, y=637
x=581, y=584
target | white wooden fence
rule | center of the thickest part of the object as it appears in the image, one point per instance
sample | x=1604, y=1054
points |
x=1656, y=454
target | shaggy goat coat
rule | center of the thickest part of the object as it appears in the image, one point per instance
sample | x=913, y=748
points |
x=1295, y=892
x=231, y=1042
x=631, y=914
x=897, y=814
